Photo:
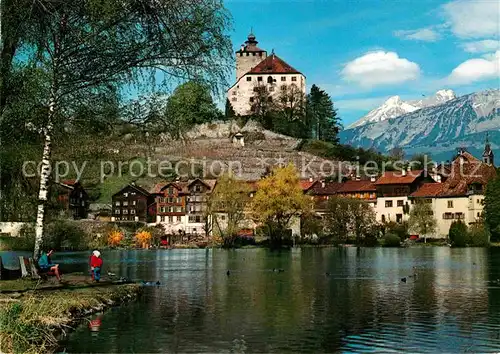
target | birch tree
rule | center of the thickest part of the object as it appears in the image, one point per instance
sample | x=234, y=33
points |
x=87, y=45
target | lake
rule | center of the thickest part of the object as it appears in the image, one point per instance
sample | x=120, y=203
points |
x=324, y=300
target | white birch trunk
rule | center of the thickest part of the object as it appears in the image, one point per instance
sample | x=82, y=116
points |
x=44, y=177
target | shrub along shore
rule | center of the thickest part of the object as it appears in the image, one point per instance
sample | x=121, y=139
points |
x=34, y=316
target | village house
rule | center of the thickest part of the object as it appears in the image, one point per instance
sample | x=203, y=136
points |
x=180, y=206
x=461, y=195
x=72, y=198
x=131, y=204
x=393, y=189
x=255, y=69
x=364, y=190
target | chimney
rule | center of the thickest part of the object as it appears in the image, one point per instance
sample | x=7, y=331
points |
x=403, y=172
x=310, y=179
x=358, y=178
x=322, y=184
x=373, y=178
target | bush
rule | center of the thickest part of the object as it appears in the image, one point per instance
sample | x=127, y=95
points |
x=398, y=229
x=458, y=234
x=64, y=234
x=479, y=236
x=391, y=240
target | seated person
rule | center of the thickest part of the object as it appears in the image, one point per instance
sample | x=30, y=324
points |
x=46, y=265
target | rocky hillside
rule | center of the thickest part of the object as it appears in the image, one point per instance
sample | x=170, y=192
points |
x=439, y=129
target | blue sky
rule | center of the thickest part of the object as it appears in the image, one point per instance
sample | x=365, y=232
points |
x=364, y=51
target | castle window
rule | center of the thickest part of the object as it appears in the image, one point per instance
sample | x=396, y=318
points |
x=294, y=78
x=234, y=99
x=251, y=99
x=249, y=78
x=259, y=78
x=283, y=78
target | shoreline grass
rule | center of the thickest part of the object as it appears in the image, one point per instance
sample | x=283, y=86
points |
x=33, y=321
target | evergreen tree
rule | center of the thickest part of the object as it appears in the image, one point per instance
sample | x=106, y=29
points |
x=229, y=111
x=322, y=120
x=492, y=208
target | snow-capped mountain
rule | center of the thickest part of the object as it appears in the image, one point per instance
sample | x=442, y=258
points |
x=462, y=121
x=395, y=107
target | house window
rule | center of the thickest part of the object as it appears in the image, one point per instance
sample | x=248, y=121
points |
x=234, y=93
x=117, y=203
x=170, y=219
x=125, y=203
x=399, y=218
x=383, y=218
x=125, y=211
x=294, y=78
x=249, y=78
x=283, y=78
x=459, y=216
x=132, y=193
x=178, y=219
x=125, y=194
x=234, y=99
x=388, y=203
x=170, y=190
x=400, y=203
x=117, y=211
x=259, y=78
x=269, y=79
x=223, y=217
x=251, y=99
x=132, y=211
x=450, y=203
x=197, y=188
x=134, y=202
x=283, y=87
x=448, y=216
x=162, y=219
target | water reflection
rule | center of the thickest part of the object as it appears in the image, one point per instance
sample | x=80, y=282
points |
x=361, y=305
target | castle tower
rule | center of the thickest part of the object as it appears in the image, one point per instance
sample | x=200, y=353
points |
x=488, y=156
x=248, y=56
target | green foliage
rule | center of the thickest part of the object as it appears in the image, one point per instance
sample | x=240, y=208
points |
x=229, y=113
x=191, y=103
x=398, y=229
x=492, y=208
x=311, y=226
x=422, y=219
x=64, y=235
x=347, y=217
x=321, y=118
x=479, y=235
x=391, y=240
x=458, y=234
x=343, y=152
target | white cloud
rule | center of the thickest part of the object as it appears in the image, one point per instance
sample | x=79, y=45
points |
x=422, y=34
x=473, y=19
x=380, y=68
x=487, y=45
x=479, y=69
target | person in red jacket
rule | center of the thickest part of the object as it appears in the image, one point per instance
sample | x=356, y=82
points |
x=96, y=265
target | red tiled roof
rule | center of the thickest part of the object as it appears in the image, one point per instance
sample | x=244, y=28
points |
x=399, y=177
x=273, y=65
x=306, y=184
x=428, y=190
x=326, y=188
x=463, y=174
x=357, y=186
x=183, y=186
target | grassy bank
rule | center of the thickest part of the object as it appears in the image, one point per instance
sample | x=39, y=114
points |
x=33, y=316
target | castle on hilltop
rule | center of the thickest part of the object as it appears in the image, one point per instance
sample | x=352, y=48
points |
x=254, y=69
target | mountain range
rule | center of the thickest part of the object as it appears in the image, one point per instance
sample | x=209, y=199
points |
x=438, y=125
